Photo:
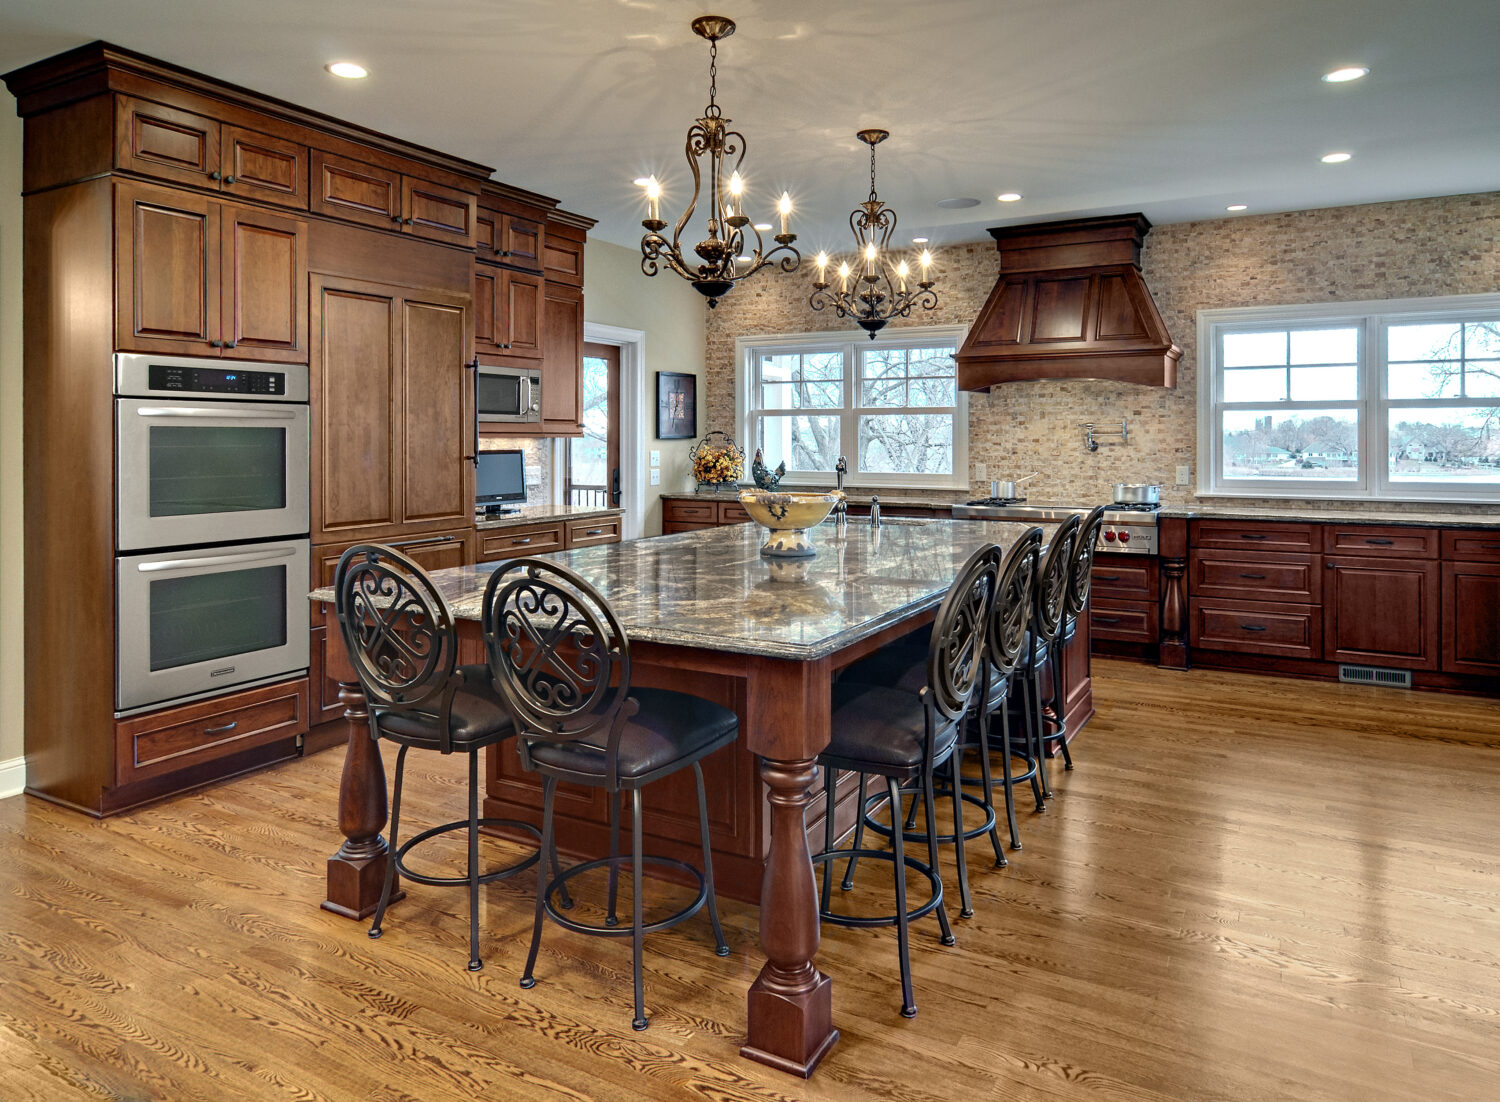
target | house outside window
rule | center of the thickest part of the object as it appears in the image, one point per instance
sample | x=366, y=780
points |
x=1390, y=400
x=890, y=406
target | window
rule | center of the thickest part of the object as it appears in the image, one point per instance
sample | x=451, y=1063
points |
x=890, y=406
x=1394, y=400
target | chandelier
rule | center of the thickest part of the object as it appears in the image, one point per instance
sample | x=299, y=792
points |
x=880, y=290
x=723, y=255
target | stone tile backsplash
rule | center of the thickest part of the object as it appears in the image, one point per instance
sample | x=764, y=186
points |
x=1407, y=249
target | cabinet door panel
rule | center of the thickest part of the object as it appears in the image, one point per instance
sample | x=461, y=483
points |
x=438, y=417
x=563, y=260
x=155, y=140
x=487, y=331
x=356, y=379
x=562, y=362
x=1471, y=618
x=1257, y=627
x=1256, y=577
x=353, y=190
x=1381, y=612
x=167, y=271
x=524, y=316
x=265, y=281
x=268, y=169
x=438, y=212
x=521, y=242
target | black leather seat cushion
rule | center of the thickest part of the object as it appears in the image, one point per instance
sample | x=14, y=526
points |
x=478, y=716
x=879, y=730
x=669, y=727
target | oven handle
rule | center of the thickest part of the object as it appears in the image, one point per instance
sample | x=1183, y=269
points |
x=223, y=414
x=214, y=560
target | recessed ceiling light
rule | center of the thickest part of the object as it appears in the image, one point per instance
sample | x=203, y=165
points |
x=1237, y=206
x=957, y=204
x=1009, y=196
x=762, y=226
x=1343, y=76
x=1336, y=158
x=641, y=181
x=919, y=240
x=347, y=69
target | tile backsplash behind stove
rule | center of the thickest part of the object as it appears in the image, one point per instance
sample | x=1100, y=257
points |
x=1411, y=248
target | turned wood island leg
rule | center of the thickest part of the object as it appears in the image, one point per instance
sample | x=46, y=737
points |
x=790, y=1004
x=356, y=872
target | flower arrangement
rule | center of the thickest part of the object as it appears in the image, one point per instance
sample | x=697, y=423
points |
x=717, y=459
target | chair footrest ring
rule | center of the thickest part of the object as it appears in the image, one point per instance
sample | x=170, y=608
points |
x=463, y=824
x=624, y=929
x=921, y=836
x=925, y=908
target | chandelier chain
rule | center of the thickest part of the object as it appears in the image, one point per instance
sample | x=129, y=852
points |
x=713, y=78
x=872, y=173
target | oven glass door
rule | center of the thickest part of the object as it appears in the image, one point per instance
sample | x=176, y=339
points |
x=201, y=621
x=193, y=473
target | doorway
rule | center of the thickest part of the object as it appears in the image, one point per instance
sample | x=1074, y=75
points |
x=592, y=462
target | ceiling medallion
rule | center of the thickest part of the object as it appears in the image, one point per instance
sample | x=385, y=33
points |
x=880, y=290
x=724, y=254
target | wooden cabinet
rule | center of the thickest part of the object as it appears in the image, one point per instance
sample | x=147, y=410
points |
x=1289, y=536
x=1124, y=621
x=691, y=514
x=1381, y=612
x=1252, y=576
x=562, y=360
x=343, y=187
x=509, y=315
x=197, y=276
x=593, y=531
x=1382, y=540
x=1257, y=627
x=392, y=411
x=512, y=239
x=1471, y=602
x=562, y=258
x=1123, y=599
x=512, y=542
x=169, y=143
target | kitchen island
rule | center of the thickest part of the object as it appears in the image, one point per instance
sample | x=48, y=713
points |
x=705, y=613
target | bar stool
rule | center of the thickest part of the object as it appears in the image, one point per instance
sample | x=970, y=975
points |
x=1049, y=596
x=902, y=735
x=401, y=642
x=1080, y=578
x=561, y=662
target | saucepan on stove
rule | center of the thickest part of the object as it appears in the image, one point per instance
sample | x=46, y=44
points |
x=1137, y=493
x=1010, y=489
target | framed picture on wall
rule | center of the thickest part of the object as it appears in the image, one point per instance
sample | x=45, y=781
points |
x=676, y=405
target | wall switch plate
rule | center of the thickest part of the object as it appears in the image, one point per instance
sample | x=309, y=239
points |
x=981, y=472
x=655, y=476
x=655, y=458
x=1184, y=475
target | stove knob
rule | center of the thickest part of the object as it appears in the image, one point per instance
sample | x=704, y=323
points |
x=1124, y=537
x=1109, y=535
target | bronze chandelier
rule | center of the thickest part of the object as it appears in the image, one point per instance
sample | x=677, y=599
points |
x=880, y=290
x=722, y=253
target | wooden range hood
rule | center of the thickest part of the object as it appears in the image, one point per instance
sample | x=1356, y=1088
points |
x=1070, y=304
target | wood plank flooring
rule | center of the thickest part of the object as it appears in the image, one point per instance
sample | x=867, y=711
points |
x=1248, y=889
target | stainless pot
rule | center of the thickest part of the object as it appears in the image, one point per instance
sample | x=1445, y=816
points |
x=1137, y=493
x=1010, y=489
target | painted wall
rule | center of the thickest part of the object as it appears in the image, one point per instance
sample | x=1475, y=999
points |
x=1413, y=248
x=671, y=314
x=11, y=592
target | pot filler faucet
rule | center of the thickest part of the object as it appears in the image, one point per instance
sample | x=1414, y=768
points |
x=841, y=508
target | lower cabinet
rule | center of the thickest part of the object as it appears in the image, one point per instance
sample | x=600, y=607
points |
x=1381, y=612
x=1257, y=627
x=1471, y=617
x=689, y=515
x=510, y=543
x=1123, y=602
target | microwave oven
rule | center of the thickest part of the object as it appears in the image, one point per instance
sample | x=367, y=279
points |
x=507, y=395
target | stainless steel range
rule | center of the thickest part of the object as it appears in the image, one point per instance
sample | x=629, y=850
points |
x=1128, y=529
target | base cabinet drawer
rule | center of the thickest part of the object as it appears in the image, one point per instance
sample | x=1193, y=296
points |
x=589, y=533
x=1286, y=630
x=512, y=543
x=701, y=512
x=1380, y=539
x=1124, y=578
x=1256, y=535
x=1475, y=545
x=1254, y=577
x=1123, y=621
x=732, y=512
x=190, y=734
x=435, y=552
x=672, y=527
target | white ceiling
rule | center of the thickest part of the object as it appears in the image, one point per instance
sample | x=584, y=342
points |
x=1172, y=107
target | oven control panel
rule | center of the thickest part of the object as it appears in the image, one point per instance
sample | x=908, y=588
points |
x=1134, y=539
x=166, y=378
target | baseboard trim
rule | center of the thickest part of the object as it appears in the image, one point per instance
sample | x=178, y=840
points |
x=12, y=777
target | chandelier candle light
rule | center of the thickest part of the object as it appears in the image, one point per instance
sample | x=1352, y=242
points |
x=725, y=259
x=880, y=289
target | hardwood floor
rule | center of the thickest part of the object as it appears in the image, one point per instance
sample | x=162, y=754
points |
x=1249, y=889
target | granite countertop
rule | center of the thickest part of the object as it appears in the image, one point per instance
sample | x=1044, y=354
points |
x=541, y=514
x=1489, y=518
x=712, y=589
x=853, y=497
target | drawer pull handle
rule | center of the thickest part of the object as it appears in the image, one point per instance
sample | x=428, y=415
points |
x=1257, y=577
x=420, y=542
x=1252, y=627
x=518, y=541
x=1490, y=546
x=1253, y=536
x=594, y=532
x=221, y=730
x=1106, y=577
x=1379, y=543
x=1106, y=619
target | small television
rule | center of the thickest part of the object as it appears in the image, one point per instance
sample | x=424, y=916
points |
x=500, y=481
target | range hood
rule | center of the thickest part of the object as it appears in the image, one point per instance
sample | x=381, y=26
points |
x=1070, y=304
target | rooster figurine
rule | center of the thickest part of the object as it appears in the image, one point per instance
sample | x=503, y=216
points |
x=765, y=479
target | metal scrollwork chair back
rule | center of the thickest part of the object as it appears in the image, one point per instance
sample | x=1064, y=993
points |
x=1052, y=583
x=955, y=658
x=1080, y=574
x=1011, y=611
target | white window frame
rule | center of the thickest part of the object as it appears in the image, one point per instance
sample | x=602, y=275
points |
x=850, y=344
x=1372, y=318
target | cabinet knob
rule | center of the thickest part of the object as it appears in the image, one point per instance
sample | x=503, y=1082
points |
x=229, y=179
x=213, y=175
x=216, y=344
x=230, y=344
x=504, y=252
x=406, y=221
x=396, y=218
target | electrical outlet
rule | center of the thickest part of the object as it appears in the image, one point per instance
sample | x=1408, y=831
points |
x=655, y=458
x=1184, y=475
x=981, y=472
x=655, y=476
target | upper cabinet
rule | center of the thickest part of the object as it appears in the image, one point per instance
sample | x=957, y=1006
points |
x=197, y=276
x=512, y=239
x=346, y=188
x=153, y=139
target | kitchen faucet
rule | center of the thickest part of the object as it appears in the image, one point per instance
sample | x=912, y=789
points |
x=874, y=511
x=841, y=507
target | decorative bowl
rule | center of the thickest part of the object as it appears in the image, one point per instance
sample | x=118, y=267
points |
x=788, y=516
